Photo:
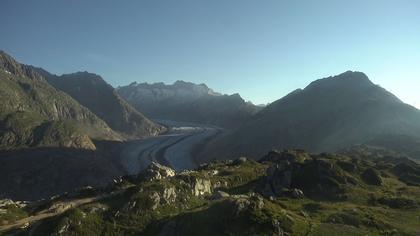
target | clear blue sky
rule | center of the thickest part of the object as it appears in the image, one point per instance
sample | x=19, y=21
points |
x=260, y=49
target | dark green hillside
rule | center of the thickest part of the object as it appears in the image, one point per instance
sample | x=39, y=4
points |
x=286, y=193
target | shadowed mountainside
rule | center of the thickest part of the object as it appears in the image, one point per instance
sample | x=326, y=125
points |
x=328, y=115
x=36, y=173
x=93, y=92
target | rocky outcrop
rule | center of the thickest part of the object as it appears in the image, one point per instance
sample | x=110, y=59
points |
x=290, y=175
x=199, y=186
x=164, y=197
x=156, y=171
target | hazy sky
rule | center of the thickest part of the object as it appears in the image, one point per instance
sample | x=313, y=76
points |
x=260, y=49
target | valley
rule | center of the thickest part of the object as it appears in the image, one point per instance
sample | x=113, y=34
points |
x=210, y=118
x=80, y=157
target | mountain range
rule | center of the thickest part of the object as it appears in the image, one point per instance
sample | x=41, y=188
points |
x=328, y=115
x=185, y=101
x=80, y=110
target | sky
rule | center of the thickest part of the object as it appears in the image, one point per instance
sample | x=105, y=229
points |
x=261, y=49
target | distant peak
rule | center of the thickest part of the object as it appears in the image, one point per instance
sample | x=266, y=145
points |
x=181, y=82
x=86, y=73
x=353, y=75
x=346, y=79
x=81, y=75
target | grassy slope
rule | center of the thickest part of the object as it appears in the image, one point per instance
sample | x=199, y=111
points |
x=392, y=208
x=34, y=113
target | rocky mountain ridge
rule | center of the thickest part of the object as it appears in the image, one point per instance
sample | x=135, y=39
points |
x=184, y=101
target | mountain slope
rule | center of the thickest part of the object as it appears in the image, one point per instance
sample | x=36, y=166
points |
x=184, y=101
x=328, y=115
x=93, y=92
x=33, y=113
x=286, y=193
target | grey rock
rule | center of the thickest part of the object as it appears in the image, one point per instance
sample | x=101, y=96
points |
x=157, y=171
x=241, y=205
x=220, y=195
x=201, y=187
x=297, y=193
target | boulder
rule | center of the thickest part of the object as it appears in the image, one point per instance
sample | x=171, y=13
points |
x=297, y=193
x=220, y=194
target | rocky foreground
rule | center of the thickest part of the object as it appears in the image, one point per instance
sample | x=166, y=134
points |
x=285, y=193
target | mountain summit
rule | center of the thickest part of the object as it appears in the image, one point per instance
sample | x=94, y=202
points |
x=329, y=114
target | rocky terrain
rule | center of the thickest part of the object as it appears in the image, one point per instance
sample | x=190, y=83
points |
x=285, y=193
x=35, y=114
x=330, y=114
x=188, y=102
x=93, y=92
